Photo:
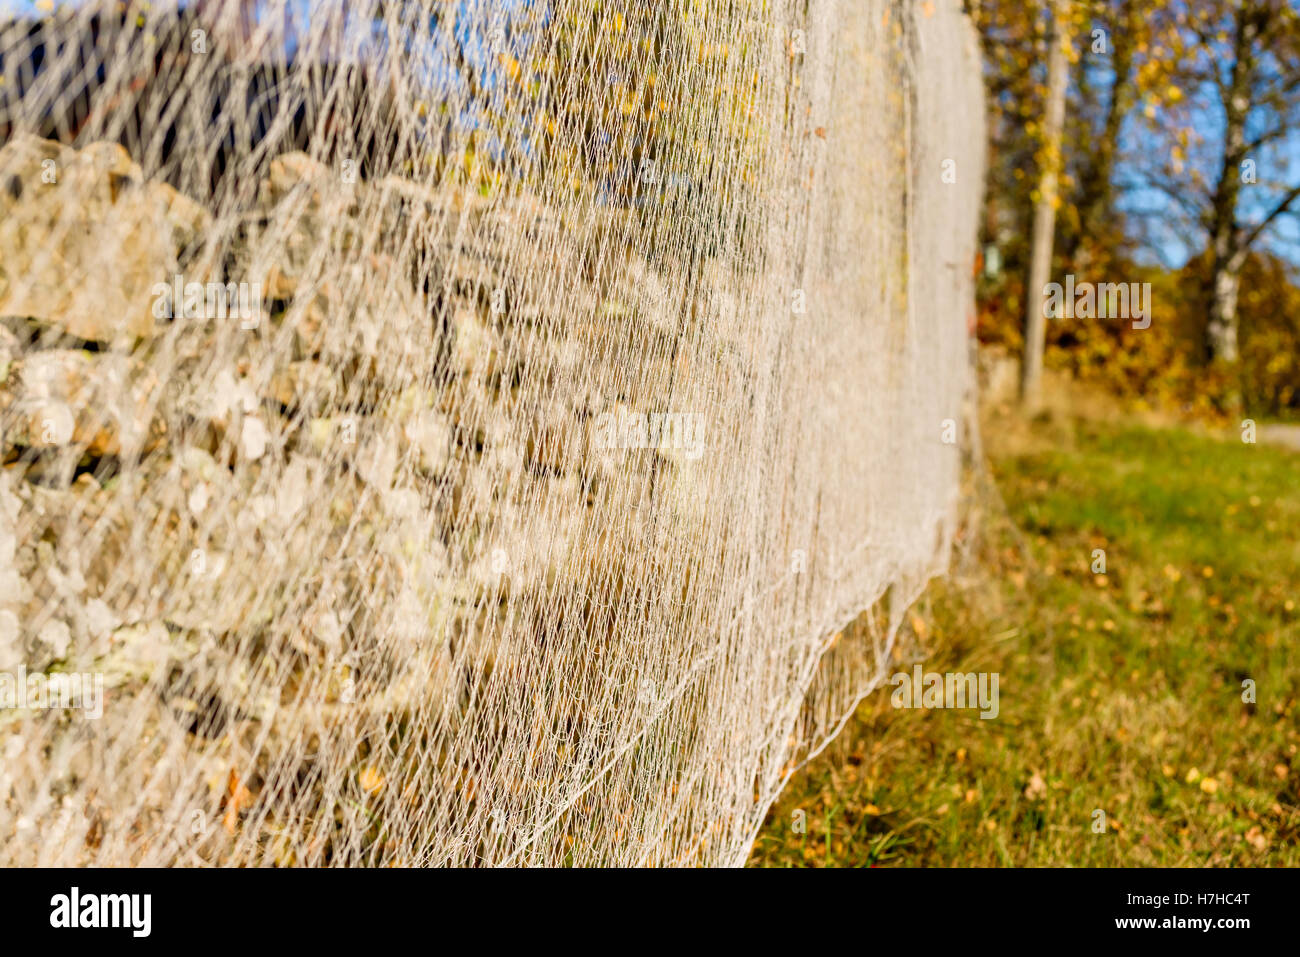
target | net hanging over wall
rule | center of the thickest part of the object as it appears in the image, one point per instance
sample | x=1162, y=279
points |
x=456, y=432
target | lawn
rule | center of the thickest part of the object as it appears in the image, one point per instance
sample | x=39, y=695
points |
x=1125, y=693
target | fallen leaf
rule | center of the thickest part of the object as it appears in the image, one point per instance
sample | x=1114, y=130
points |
x=1037, y=788
x=1255, y=836
x=238, y=797
x=371, y=780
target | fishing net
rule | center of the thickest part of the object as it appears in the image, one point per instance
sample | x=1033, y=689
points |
x=460, y=432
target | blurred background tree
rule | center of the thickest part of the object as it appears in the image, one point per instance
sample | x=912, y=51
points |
x=1181, y=168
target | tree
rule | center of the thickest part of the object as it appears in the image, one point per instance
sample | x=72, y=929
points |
x=1229, y=108
x=1040, y=261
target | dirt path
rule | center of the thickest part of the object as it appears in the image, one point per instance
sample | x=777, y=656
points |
x=1286, y=435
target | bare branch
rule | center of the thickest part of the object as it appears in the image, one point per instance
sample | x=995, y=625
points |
x=1292, y=195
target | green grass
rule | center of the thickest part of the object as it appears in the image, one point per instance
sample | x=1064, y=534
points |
x=1121, y=693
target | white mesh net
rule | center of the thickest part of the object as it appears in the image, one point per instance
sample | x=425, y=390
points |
x=455, y=432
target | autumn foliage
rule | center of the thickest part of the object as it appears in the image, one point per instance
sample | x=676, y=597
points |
x=1158, y=186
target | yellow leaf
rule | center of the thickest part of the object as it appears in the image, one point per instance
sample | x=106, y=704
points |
x=371, y=780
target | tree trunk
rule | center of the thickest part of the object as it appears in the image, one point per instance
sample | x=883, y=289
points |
x=1221, y=330
x=1225, y=236
x=1040, y=260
